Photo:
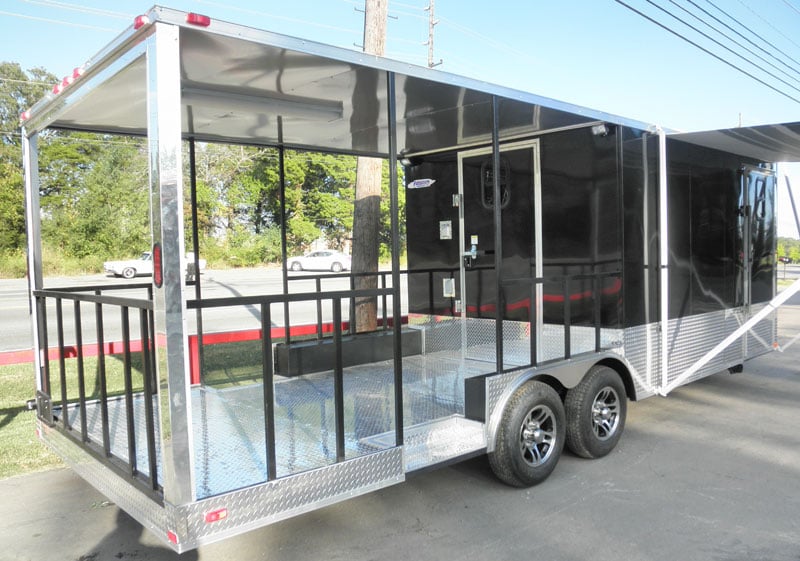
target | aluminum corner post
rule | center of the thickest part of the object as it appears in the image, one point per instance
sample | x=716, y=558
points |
x=169, y=302
x=33, y=230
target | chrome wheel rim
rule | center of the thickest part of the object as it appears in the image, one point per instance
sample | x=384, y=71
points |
x=537, y=435
x=605, y=413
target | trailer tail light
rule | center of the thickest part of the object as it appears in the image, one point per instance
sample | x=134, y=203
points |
x=140, y=21
x=158, y=271
x=216, y=515
x=172, y=537
x=198, y=19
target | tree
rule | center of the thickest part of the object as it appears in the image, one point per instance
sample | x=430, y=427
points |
x=18, y=91
x=366, y=219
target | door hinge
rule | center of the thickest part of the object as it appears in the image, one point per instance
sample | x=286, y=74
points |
x=457, y=306
x=457, y=200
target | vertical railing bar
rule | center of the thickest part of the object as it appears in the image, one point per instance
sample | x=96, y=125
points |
x=127, y=376
x=151, y=348
x=62, y=366
x=45, y=345
x=338, y=379
x=319, y=308
x=147, y=351
x=352, y=315
x=533, y=324
x=597, y=311
x=384, y=301
x=81, y=379
x=567, y=319
x=269, y=389
x=430, y=290
x=101, y=374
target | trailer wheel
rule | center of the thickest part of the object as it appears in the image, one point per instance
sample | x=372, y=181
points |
x=530, y=436
x=128, y=273
x=596, y=410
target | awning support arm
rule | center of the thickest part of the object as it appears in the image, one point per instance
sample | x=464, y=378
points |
x=771, y=306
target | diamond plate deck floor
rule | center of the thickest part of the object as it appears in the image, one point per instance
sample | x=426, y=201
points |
x=229, y=431
x=229, y=427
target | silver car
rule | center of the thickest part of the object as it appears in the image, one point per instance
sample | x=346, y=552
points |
x=322, y=260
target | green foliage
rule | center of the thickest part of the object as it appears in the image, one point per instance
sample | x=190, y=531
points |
x=789, y=247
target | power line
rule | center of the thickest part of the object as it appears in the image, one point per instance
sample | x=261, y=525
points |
x=33, y=82
x=57, y=21
x=707, y=36
x=275, y=16
x=733, y=40
x=748, y=30
x=762, y=18
x=705, y=50
x=82, y=9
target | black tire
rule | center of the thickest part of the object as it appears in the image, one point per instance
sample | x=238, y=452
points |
x=296, y=266
x=596, y=409
x=128, y=273
x=530, y=436
x=336, y=267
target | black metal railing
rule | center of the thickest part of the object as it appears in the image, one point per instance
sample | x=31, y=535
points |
x=566, y=295
x=101, y=442
x=264, y=304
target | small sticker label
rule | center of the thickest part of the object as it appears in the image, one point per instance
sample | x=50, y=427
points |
x=420, y=183
x=446, y=230
x=473, y=240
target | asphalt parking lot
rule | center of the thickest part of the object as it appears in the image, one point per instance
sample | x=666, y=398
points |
x=709, y=473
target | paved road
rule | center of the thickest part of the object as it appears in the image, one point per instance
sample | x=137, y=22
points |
x=15, y=320
x=709, y=473
x=15, y=330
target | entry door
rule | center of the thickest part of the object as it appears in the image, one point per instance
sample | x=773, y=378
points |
x=757, y=242
x=521, y=245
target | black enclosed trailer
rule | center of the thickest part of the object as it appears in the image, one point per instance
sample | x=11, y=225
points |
x=560, y=261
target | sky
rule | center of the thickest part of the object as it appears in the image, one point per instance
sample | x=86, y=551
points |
x=594, y=53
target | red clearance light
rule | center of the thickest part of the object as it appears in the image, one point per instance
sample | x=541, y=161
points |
x=24, y=116
x=58, y=88
x=66, y=81
x=140, y=21
x=216, y=515
x=198, y=19
x=77, y=72
x=171, y=536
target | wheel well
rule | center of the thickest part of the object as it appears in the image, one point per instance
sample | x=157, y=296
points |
x=553, y=382
x=624, y=373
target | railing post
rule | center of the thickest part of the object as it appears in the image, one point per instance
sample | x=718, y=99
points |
x=269, y=389
x=62, y=367
x=128, y=382
x=338, y=379
x=567, y=319
x=101, y=374
x=81, y=379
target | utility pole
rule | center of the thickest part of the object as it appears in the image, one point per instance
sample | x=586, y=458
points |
x=432, y=21
x=367, y=207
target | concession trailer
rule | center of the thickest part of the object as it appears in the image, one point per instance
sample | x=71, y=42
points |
x=556, y=263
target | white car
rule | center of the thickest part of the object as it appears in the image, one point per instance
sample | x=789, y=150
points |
x=322, y=260
x=129, y=268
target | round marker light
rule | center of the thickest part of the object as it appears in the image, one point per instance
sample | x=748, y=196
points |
x=140, y=21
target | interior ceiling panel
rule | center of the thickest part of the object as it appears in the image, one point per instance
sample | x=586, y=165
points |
x=767, y=143
x=238, y=89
